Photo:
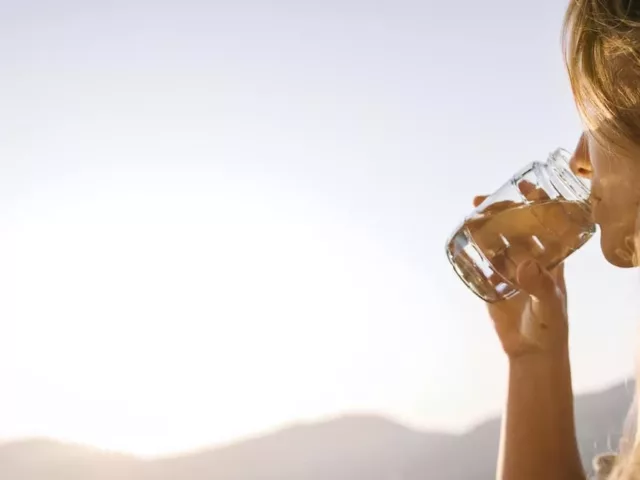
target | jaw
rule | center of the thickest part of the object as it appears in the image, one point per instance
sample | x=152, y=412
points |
x=620, y=253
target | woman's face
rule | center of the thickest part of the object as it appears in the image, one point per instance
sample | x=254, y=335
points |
x=615, y=181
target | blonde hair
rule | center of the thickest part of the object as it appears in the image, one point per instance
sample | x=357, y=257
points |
x=602, y=54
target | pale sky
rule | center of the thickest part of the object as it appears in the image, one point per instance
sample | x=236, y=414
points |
x=218, y=218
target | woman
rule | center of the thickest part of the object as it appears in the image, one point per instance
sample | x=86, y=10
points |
x=602, y=46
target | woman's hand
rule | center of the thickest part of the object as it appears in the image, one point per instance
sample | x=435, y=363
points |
x=538, y=438
x=535, y=320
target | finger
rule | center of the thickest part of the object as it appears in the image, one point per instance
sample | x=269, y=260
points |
x=547, y=308
x=496, y=207
x=531, y=192
x=536, y=281
x=526, y=187
x=478, y=200
x=558, y=276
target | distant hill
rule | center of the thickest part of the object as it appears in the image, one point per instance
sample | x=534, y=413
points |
x=349, y=448
x=50, y=460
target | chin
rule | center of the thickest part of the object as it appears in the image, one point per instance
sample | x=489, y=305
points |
x=618, y=252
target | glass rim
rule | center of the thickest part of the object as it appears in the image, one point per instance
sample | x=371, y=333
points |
x=581, y=185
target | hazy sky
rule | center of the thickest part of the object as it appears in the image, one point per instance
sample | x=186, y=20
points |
x=220, y=217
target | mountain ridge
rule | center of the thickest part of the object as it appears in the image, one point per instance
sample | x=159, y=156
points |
x=344, y=447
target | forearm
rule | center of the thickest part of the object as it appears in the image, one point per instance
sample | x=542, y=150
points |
x=538, y=431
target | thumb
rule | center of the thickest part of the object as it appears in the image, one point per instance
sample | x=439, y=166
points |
x=536, y=281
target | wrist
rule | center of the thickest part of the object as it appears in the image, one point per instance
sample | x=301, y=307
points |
x=548, y=364
x=548, y=372
x=540, y=358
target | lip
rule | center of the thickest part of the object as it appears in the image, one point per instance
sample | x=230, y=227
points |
x=594, y=203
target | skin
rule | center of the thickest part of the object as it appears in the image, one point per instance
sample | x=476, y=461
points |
x=538, y=433
x=615, y=179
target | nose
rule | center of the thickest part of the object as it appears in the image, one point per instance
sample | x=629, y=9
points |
x=580, y=162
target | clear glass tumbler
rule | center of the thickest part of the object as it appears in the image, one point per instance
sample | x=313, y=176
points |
x=542, y=213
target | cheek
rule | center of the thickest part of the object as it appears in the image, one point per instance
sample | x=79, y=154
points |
x=616, y=215
x=616, y=198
